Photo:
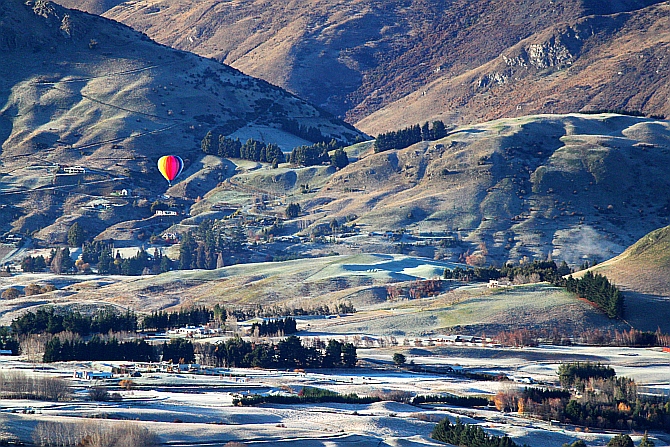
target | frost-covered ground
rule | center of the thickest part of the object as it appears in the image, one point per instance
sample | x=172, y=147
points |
x=189, y=409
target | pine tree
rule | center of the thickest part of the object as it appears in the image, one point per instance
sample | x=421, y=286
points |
x=75, y=235
x=206, y=144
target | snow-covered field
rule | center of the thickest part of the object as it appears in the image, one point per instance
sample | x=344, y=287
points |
x=196, y=409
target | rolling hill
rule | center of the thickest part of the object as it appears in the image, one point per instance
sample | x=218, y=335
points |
x=571, y=187
x=643, y=267
x=81, y=90
x=355, y=58
x=309, y=283
x=642, y=272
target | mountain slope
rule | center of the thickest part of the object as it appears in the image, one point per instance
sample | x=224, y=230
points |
x=354, y=57
x=595, y=63
x=573, y=187
x=642, y=272
x=77, y=89
x=644, y=267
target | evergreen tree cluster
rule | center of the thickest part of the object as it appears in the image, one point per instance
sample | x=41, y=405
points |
x=604, y=400
x=33, y=264
x=60, y=260
x=179, y=350
x=48, y=320
x=280, y=311
x=570, y=373
x=317, y=154
x=611, y=410
x=546, y=271
x=273, y=328
x=540, y=394
x=467, y=435
x=101, y=254
x=210, y=246
x=251, y=150
x=292, y=210
x=97, y=349
x=308, y=133
x=75, y=235
x=400, y=139
x=597, y=289
x=288, y=353
x=451, y=399
x=161, y=320
x=307, y=395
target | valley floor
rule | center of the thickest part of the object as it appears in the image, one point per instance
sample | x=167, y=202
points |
x=194, y=409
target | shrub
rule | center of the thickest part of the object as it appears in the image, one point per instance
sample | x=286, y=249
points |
x=11, y=293
x=98, y=394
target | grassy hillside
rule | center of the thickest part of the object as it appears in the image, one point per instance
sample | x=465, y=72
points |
x=82, y=90
x=644, y=267
x=359, y=279
x=573, y=187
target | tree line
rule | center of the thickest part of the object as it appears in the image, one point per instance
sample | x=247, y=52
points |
x=178, y=350
x=597, y=289
x=19, y=385
x=570, y=373
x=101, y=254
x=273, y=328
x=307, y=395
x=210, y=246
x=49, y=320
x=287, y=353
x=196, y=316
x=603, y=400
x=318, y=154
x=308, y=133
x=596, y=337
x=451, y=399
x=253, y=150
x=538, y=270
x=400, y=139
x=97, y=349
x=279, y=311
x=468, y=435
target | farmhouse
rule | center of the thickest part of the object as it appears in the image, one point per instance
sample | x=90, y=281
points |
x=165, y=213
x=92, y=375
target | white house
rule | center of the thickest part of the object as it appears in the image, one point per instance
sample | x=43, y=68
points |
x=74, y=170
x=92, y=375
x=165, y=213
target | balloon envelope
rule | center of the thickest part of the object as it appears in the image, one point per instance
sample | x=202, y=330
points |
x=170, y=166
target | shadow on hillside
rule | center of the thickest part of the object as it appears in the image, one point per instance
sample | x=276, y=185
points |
x=5, y=123
x=647, y=312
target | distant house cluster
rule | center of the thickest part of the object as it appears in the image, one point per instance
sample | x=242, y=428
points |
x=195, y=331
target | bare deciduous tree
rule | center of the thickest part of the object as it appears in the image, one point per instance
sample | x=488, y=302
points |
x=93, y=434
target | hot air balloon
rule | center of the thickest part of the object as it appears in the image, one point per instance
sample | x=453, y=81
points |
x=170, y=166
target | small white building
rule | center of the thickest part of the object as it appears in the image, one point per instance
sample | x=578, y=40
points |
x=92, y=375
x=165, y=213
x=74, y=170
